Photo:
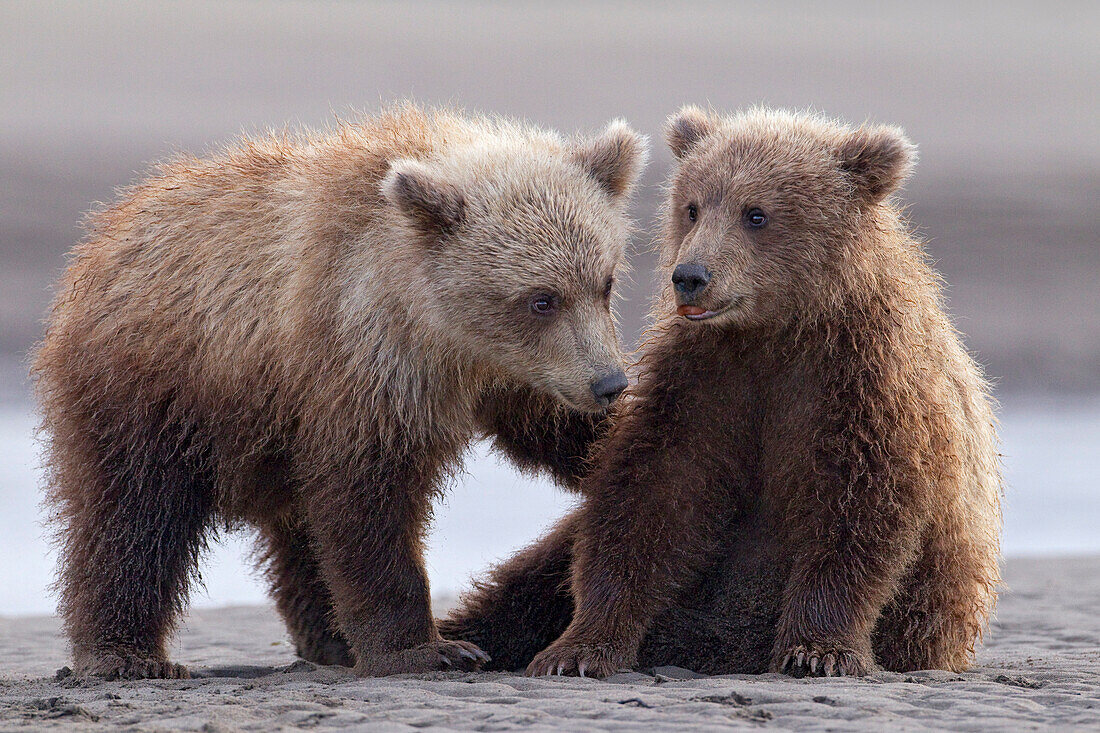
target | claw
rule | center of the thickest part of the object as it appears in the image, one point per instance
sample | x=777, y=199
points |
x=813, y=665
x=800, y=659
x=446, y=662
x=483, y=656
x=580, y=668
x=786, y=663
x=829, y=666
x=468, y=654
x=561, y=666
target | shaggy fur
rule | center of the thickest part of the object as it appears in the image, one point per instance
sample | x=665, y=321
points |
x=304, y=333
x=805, y=481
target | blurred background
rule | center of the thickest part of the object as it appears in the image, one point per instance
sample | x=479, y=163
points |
x=1001, y=98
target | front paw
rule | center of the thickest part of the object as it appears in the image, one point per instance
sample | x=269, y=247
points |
x=564, y=657
x=329, y=650
x=822, y=660
x=435, y=656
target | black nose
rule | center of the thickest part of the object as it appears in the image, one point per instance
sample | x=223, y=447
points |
x=689, y=280
x=606, y=389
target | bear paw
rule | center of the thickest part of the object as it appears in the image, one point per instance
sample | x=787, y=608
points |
x=580, y=659
x=435, y=656
x=117, y=666
x=328, y=651
x=813, y=660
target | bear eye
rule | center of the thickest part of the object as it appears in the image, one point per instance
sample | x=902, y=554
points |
x=543, y=304
x=755, y=218
x=693, y=212
x=607, y=287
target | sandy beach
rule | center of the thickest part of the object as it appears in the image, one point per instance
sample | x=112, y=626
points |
x=1040, y=669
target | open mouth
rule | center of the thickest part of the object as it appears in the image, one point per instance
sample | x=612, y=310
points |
x=695, y=313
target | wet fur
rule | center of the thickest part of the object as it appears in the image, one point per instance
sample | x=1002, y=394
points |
x=810, y=485
x=272, y=337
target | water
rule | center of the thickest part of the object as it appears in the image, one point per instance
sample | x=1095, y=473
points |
x=1051, y=507
x=1051, y=462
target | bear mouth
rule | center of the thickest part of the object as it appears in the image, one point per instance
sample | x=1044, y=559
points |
x=695, y=313
x=561, y=397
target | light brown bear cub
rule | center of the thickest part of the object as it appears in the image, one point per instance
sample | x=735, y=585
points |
x=805, y=478
x=303, y=334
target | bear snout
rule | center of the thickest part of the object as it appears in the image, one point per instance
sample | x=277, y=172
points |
x=689, y=280
x=607, y=389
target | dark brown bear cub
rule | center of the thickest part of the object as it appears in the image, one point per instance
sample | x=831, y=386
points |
x=805, y=478
x=304, y=334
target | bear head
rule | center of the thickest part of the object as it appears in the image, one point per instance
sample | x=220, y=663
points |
x=522, y=236
x=771, y=212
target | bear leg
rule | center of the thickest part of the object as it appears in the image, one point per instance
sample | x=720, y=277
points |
x=522, y=606
x=368, y=536
x=940, y=610
x=301, y=595
x=135, y=503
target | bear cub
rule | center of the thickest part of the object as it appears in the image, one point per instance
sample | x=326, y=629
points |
x=303, y=333
x=805, y=478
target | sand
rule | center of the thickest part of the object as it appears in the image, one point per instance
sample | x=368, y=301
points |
x=1040, y=669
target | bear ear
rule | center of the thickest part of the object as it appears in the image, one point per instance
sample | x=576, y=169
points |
x=416, y=191
x=879, y=158
x=614, y=158
x=686, y=128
